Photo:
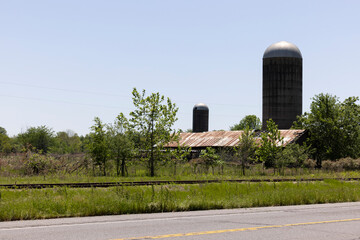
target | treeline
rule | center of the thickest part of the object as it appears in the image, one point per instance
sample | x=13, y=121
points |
x=333, y=129
x=141, y=136
x=42, y=139
x=333, y=126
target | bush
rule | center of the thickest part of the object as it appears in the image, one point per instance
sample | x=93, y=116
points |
x=309, y=163
x=31, y=163
x=347, y=164
x=38, y=164
x=40, y=139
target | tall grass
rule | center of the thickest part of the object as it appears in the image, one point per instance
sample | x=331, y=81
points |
x=76, y=178
x=16, y=168
x=164, y=172
x=65, y=202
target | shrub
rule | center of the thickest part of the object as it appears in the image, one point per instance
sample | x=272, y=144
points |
x=349, y=164
x=38, y=164
x=309, y=163
x=341, y=164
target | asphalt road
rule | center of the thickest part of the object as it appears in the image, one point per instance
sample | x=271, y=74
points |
x=326, y=221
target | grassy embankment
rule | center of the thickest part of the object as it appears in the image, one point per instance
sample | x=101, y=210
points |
x=66, y=202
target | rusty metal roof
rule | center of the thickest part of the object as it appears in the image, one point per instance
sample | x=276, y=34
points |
x=227, y=138
x=291, y=135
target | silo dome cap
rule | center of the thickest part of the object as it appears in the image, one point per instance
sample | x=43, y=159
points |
x=200, y=106
x=282, y=49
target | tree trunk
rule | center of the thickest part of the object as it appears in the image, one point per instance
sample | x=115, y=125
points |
x=318, y=163
x=151, y=160
x=151, y=164
x=117, y=166
x=243, y=169
x=123, y=167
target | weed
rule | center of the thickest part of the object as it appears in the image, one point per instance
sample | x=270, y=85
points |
x=64, y=202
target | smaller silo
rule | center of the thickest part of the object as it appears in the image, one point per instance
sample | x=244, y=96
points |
x=200, y=118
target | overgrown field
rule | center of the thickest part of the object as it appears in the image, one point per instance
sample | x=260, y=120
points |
x=66, y=202
x=35, y=168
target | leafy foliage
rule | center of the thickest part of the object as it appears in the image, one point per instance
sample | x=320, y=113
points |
x=36, y=164
x=333, y=127
x=210, y=158
x=40, y=139
x=98, y=145
x=153, y=119
x=67, y=142
x=250, y=121
x=5, y=142
x=3, y=131
x=120, y=144
x=270, y=145
x=292, y=156
x=179, y=155
x=245, y=151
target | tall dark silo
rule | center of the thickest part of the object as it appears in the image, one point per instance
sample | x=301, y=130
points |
x=282, y=84
x=200, y=118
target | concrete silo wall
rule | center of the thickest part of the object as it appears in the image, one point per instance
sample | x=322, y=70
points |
x=282, y=90
x=200, y=119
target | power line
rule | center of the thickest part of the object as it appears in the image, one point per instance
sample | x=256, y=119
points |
x=63, y=89
x=115, y=95
x=58, y=101
x=98, y=105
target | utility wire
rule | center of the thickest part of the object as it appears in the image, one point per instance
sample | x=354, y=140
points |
x=99, y=105
x=58, y=101
x=63, y=89
x=115, y=95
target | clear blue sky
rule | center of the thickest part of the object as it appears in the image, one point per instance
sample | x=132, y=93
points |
x=64, y=62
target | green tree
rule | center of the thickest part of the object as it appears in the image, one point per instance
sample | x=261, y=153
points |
x=292, y=156
x=250, y=121
x=153, y=120
x=120, y=144
x=5, y=142
x=210, y=158
x=246, y=148
x=3, y=131
x=40, y=139
x=66, y=142
x=334, y=130
x=270, y=145
x=179, y=155
x=350, y=126
x=85, y=140
x=98, y=145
